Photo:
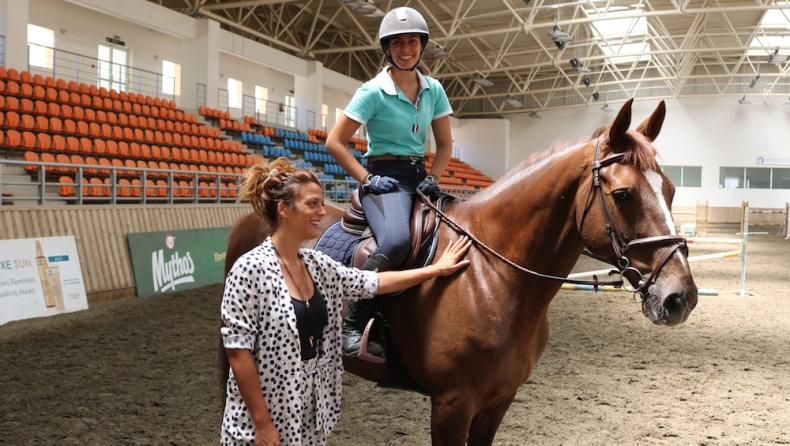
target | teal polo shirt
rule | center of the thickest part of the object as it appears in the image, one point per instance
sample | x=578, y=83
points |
x=395, y=126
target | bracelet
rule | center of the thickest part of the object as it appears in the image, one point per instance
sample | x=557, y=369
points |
x=366, y=186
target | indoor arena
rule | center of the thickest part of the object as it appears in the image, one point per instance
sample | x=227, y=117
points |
x=621, y=172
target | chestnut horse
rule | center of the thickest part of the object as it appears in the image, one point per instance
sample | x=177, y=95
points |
x=472, y=339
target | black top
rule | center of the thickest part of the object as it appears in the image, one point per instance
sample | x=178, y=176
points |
x=311, y=318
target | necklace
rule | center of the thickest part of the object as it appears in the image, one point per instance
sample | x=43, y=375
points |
x=301, y=294
x=296, y=284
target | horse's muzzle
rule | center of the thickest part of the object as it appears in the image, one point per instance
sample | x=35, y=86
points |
x=670, y=304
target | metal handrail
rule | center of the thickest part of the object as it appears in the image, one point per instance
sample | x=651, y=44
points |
x=68, y=65
x=334, y=189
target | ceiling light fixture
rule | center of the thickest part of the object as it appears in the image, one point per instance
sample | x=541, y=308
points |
x=576, y=65
x=595, y=96
x=513, y=101
x=586, y=81
x=757, y=82
x=744, y=101
x=433, y=49
x=534, y=115
x=480, y=79
x=363, y=7
x=559, y=37
x=775, y=57
x=606, y=108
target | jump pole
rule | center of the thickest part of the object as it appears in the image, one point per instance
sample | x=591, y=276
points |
x=611, y=289
x=787, y=223
x=700, y=291
x=742, y=292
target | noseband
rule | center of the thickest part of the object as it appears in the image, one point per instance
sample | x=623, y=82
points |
x=619, y=244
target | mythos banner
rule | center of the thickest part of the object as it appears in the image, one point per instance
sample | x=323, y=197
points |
x=40, y=277
x=177, y=260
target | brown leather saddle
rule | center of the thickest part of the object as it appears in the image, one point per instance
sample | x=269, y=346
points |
x=423, y=226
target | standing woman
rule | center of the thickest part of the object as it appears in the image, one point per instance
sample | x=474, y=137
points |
x=397, y=107
x=281, y=315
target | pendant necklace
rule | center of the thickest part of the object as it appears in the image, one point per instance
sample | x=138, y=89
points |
x=301, y=295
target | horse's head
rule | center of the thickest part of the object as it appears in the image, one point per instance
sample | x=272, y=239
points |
x=625, y=217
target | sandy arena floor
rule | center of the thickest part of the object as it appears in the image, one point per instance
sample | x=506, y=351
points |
x=143, y=371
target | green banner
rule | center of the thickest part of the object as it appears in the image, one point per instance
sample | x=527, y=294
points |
x=177, y=260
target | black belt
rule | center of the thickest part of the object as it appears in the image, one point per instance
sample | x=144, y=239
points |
x=388, y=157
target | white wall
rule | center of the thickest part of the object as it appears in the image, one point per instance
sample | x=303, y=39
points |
x=85, y=29
x=483, y=143
x=707, y=132
x=251, y=74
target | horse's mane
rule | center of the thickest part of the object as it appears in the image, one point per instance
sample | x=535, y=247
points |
x=642, y=155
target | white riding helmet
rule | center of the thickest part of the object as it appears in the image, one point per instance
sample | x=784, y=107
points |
x=402, y=20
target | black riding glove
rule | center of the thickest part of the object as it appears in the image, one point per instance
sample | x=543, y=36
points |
x=428, y=186
x=378, y=185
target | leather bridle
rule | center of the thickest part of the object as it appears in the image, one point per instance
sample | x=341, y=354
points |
x=620, y=246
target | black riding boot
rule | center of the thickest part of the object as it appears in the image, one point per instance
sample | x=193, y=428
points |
x=359, y=313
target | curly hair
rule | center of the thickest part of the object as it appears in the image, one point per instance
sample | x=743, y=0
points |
x=267, y=184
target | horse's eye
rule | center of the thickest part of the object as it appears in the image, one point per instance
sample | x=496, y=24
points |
x=622, y=196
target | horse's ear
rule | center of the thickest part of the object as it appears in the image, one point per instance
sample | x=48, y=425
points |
x=652, y=125
x=620, y=124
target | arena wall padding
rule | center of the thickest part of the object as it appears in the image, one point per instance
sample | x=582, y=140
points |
x=100, y=232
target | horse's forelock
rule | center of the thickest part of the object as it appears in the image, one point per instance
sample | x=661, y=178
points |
x=642, y=153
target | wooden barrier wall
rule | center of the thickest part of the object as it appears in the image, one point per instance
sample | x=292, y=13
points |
x=100, y=232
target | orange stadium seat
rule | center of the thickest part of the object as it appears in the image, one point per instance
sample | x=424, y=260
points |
x=91, y=161
x=32, y=157
x=66, y=187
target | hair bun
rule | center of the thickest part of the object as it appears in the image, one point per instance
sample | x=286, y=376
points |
x=272, y=174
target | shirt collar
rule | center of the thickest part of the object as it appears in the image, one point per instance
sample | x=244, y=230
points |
x=388, y=85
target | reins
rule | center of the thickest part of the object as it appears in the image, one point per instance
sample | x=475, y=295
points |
x=595, y=282
x=619, y=245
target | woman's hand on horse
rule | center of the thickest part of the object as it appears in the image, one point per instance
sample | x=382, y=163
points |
x=450, y=261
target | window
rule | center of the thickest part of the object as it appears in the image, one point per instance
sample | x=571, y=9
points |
x=39, y=43
x=338, y=114
x=731, y=177
x=171, y=78
x=261, y=96
x=780, y=178
x=754, y=178
x=113, y=70
x=684, y=176
x=626, y=35
x=771, y=35
x=234, y=93
x=290, y=110
x=758, y=178
x=324, y=116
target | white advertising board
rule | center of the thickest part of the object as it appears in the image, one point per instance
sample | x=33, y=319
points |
x=40, y=277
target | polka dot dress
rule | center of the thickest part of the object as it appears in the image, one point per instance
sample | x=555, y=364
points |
x=303, y=397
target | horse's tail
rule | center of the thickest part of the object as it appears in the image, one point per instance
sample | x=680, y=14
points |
x=224, y=372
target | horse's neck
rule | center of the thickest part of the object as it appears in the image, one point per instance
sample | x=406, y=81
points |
x=531, y=217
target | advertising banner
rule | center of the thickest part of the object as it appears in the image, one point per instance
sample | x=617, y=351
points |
x=40, y=277
x=177, y=260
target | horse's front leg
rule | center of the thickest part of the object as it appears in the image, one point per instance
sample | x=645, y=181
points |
x=451, y=417
x=486, y=422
